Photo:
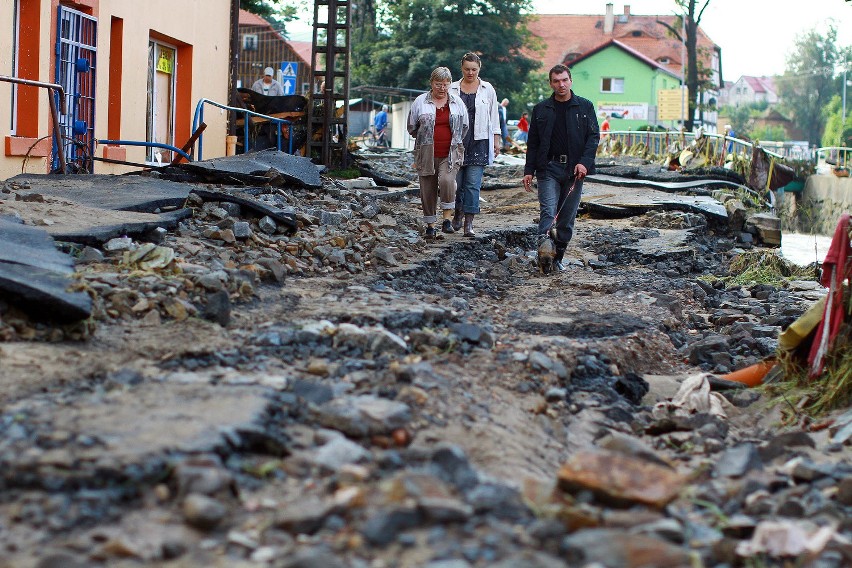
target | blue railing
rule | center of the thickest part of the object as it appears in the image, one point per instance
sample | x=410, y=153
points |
x=147, y=145
x=199, y=118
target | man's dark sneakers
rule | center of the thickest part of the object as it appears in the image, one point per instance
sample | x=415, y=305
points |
x=431, y=233
x=558, y=266
x=447, y=227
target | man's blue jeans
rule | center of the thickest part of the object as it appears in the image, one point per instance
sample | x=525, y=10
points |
x=553, y=186
x=468, y=184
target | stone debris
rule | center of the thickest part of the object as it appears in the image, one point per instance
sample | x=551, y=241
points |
x=292, y=376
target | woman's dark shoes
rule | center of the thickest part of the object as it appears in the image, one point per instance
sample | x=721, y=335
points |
x=447, y=227
x=431, y=233
x=468, y=225
x=458, y=219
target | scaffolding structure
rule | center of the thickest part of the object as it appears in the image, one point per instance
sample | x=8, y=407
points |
x=329, y=108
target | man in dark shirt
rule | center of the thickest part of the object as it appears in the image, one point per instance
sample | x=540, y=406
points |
x=561, y=147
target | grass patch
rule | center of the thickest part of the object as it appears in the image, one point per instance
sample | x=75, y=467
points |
x=764, y=267
x=348, y=173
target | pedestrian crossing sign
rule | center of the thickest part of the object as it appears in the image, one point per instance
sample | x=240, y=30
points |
x=289, y=69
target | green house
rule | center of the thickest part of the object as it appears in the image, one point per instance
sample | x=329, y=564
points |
x=625, y=85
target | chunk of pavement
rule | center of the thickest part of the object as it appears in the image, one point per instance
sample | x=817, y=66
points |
x=338, y=452
x=305, y=515
x=218, y=308
x=257, y=166
x=312, y=558
x=203, y=512
x=738, y=460
x=384, y=526
x=618, y=549
x=766, y=226
x=620, y=480
x=432, y=495
x=37, y=275
x=267, y=225
x=363, y=415
x=451, y=464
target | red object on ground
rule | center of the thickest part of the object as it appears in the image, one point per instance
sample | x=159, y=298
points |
x=834, y=272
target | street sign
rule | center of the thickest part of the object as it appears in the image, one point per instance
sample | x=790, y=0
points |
x=671, y=104
x=289, y=70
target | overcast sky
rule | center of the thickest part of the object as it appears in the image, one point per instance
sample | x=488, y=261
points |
x=755, y=35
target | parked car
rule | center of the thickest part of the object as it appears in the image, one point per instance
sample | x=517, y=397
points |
x=512, y=126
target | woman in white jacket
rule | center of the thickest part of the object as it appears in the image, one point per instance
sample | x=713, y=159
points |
x=482, y=142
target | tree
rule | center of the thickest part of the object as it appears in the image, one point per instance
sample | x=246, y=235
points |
x=809, y=81
x=535, y=89
x=278, y=11
x=418, y=35
x=740, y=118
x=697, y=77
x=837, y=133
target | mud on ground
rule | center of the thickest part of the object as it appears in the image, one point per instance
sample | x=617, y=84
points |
x=413, y=411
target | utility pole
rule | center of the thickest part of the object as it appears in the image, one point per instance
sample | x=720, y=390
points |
x=843, y=114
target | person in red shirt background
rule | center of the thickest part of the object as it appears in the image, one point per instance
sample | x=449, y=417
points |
x=523, y=128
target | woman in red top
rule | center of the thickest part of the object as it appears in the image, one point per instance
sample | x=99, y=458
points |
x=438, y=121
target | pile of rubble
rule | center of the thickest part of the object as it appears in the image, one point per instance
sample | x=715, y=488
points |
x=289, y=376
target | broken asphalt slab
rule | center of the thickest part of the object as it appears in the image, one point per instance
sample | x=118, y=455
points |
x=693, y=185
x=623, y=201
x=266, y=166
x=129, y=432
x=140, y=193
x=34, y=275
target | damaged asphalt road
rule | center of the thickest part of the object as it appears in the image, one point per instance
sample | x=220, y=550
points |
x=296, y=378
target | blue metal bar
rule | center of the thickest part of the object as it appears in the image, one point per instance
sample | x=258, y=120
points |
x=147, y=145
x=199, y=117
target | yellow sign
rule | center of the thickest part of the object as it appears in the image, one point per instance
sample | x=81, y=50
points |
x=164, y=62
x=671, y=104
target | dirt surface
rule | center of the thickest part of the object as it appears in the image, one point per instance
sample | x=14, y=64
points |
x=411, y=412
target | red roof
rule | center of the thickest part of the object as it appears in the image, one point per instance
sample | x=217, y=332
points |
x=760, y=84
x=568, y=36
x=249, y=19
x=646, y=60
x=302, y=49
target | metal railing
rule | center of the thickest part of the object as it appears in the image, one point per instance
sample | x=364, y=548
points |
x=174, y=149
x=836, y=155
x=659, y=143
x=279, y=122
x=53, y=90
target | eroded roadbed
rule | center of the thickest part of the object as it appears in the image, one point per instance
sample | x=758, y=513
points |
x=351, y=395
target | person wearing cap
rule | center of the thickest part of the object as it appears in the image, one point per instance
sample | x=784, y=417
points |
x=267, y=85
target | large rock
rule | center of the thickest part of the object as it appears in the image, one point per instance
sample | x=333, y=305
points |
x=767, y=227
x=619, y=479
x=363, y=415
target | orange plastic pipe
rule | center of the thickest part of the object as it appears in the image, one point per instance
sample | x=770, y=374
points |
x=751, y=376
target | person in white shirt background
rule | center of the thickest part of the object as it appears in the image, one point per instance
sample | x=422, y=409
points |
x=268, y=86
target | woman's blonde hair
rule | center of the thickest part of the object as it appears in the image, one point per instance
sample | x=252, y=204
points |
x=441, y=74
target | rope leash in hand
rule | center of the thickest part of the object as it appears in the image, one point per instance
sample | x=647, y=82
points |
x=564, y=201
